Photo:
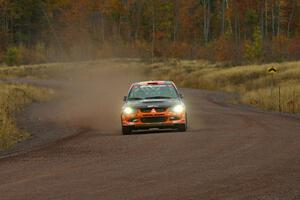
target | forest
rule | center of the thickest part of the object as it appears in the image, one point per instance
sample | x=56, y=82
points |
x=228, y=31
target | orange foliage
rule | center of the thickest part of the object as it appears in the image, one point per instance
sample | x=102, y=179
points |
x=294, y=48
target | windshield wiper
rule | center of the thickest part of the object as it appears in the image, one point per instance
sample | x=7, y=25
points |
x=158, y=97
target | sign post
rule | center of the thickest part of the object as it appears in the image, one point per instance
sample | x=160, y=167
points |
x=272, y=71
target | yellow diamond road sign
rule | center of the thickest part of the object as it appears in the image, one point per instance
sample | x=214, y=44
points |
x=272, y=70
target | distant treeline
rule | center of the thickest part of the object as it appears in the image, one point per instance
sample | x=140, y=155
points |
x=235, y=31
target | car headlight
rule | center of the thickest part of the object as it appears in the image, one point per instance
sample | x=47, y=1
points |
x=128, y=110
x=178, y=109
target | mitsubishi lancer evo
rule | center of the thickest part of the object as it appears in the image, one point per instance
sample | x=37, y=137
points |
x=153, y=105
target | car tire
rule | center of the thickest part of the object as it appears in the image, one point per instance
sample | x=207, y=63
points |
x=126, y=130
x=181, y=127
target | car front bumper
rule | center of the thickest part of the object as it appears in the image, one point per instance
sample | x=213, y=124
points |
x=141, y=120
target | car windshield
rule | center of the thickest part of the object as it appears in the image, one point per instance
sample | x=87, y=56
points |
x=139, y=92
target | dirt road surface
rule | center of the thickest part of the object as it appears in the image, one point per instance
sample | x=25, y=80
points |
x=229, y=152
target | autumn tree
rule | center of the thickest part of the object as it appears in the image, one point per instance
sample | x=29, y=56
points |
x=226, y=30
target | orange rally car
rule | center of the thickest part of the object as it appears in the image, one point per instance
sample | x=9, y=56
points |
x=153, y=104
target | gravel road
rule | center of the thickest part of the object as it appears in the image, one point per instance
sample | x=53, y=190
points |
x=229, y=152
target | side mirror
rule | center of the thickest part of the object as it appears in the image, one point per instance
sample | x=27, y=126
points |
x=125, y=98
x=181, y=96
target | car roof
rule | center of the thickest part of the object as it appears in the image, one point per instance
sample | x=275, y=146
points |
x=154, y=83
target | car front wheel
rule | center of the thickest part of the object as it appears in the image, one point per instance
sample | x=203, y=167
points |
x=181, y=127
x=126, y=130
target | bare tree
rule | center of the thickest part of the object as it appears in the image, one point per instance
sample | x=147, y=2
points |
x=102, y=28
x=273, y=19
x=262, y=20
x=223, y=16
x=175, y=20
x=138, y=18
x=206, y=4
x=290, y=20
x=278, y=17
x=153, y=29
x=266, y=18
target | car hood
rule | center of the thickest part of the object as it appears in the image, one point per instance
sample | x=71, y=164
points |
x=153, y=103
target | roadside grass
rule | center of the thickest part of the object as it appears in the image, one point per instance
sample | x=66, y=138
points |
x=65, y=71
x=252, y=82
x=42, y=71
x=13, y=98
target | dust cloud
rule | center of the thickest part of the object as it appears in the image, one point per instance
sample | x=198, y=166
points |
x=92, y=99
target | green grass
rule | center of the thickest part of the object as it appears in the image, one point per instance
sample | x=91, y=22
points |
x=13, y=98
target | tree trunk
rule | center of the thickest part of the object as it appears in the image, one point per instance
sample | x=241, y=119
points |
x=278, y=18
x=175, y=21
x=235, y=23
x=63, y=54
x=273, y=20
x=138, y=22
x=102, y=29
x=262, y=24
x=206, y=19
x=223, y=17
x=153, y=31
x=266, y=18
x=119, y=27
x=290, y=21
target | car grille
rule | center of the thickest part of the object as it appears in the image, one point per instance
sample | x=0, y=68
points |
x=153, y=119
x=160, y=109
x=147, y=110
